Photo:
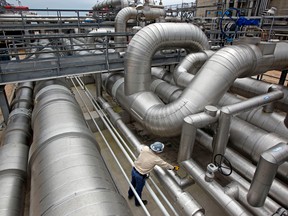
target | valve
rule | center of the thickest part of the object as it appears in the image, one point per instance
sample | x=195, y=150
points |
x=221, y=164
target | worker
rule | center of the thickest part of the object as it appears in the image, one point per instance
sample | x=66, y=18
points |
x=145, y=162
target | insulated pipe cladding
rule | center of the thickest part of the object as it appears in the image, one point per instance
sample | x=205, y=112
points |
x=265, y=173
x=68, y=174
x=14, y=149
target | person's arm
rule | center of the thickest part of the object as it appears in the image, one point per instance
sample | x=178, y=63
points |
x=160, y=162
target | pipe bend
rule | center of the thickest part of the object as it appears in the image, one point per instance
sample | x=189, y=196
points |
x=265, y=173
x=150, y=39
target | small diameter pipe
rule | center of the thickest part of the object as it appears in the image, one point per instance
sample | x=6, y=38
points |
x=265, y=173
x=117, y=119
x=230, y=206
x=278, y=190
x=255, y=102
x=193, y=122
x=113, y=155
x=188, y=204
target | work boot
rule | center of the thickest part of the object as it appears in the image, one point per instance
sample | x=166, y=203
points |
x=144, y=202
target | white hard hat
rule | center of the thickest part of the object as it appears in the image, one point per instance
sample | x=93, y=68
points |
x=157, y=147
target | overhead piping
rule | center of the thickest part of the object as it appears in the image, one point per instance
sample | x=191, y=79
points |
x=111, y=3
x=132, y=13
x=208, y=86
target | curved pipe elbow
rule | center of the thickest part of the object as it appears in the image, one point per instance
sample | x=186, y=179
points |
x=148, y=41
x=265, y=173
x=131, y=13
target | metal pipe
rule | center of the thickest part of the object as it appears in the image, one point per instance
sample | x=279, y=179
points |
x=271, y=122
x=249, y=87
x=189, y=205
x=183, y=73
x=229, y=205
x=111, y=3
x=239, y=193
x=278, y=191
x=14, y=149
x=252, y=141
x=132, y=13
x=190, y=126
x=220, y=139
x=226, y=64
x=68, y=173
x=152, y=38
x=265, y=173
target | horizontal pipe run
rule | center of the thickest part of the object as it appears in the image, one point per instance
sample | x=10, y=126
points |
x=68, y=174
x=230, y=206
x=278, y=191
x=239, y=193
x=188, y=204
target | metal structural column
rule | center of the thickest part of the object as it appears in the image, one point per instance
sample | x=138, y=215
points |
x=4, y=103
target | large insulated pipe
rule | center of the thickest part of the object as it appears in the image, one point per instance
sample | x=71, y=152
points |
x=271, y=122
x=229, y=205
x=183, y=73
x=249, y=87
x=208, y=86
x=148, y=41
x=265, y=173
x=68, y=174
x=111, y=3
x=252, y=141
x=131, y=13
x=199, y=120
x=14, y=149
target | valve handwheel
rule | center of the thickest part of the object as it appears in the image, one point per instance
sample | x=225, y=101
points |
x=231, y=25
x=223, y=164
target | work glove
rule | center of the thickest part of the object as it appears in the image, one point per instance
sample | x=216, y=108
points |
x=176, y=168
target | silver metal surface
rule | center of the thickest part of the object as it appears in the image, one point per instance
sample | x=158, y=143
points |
x=148, y=41
x=111, y=3
x=265, y=173
x=68, y=174
x=183, y=73
x=14, y=149
x=188, y=204
x=279, y=191
x=252, y=141
x=131, y=13
x=249, y=87
x=228, y=204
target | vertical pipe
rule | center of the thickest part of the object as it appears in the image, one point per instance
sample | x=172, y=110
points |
x=230, y=206
x=189, y=128
x=4, y=104
x=222, y=134
x=265, y=173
